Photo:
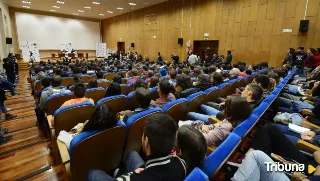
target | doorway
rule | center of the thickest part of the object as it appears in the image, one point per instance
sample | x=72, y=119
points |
x=121, y=46
x=205, y=47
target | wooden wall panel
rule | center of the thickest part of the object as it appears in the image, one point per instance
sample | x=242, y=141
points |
x=252, y=29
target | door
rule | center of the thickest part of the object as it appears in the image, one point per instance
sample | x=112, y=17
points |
x=121, y=46
x=205, y=47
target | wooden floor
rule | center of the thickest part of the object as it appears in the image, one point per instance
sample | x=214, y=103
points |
x=28, y=155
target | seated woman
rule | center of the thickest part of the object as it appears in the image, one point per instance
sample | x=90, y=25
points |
x=79, y=94
x=165, y=95
x=237, y=109
x=191, y=146
x=203, y=82
x=93, y=83
x=153, y=82
x=140, y=83
x=114, y=89
x=252, y=94
x=184, y=87
x=216, y=79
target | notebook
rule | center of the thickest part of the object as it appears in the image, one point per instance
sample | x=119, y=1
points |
x=297, y=129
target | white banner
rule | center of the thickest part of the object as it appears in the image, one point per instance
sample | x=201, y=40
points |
x=101, y=50
x=30, y=51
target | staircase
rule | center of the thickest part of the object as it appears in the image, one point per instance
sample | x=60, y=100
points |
x=23, y=65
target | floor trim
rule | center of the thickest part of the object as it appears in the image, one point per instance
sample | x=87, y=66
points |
x=34, y=173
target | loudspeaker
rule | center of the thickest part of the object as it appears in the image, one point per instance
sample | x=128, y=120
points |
x=304, y=25
x=180, y=41
x=132, y=45
x=9, y=41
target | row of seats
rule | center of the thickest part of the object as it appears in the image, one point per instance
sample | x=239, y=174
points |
x=124, y=136
x=213, y=163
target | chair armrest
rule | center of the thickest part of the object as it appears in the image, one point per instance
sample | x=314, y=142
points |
x=64, y=153
x=49, y=117
x=307, y=124
x=213, y=119
x=303, y=145
x=310, y=102
x=307, y=112
x=211, y=149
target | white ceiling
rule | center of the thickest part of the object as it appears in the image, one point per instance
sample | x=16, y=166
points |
x=73, y=6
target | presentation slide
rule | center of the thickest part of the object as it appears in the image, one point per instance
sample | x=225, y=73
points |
x=49, y=32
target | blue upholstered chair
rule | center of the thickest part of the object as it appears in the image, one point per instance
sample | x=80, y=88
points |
x=220, y=155
x=176, y=109
x=96, y=94
x=135, y=126
x=131, y=101
x=243, y=128
x=212, y=94
x=115, y=103
x=67, y=117
x=196, y=175
x=261, y=109
x=195, y=100
x=154, y=93
x=99, y=149
x=55, y=101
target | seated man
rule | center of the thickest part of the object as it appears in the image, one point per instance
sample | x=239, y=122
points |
x=100, y=77
x=173, y=75
x=39, y=74
x=143, y=100
x=160, y=165
x=79, y=94
x=149, y=75
x=184, y=87
x=153, y=82
x=133, y=75
x=234, y=73
x=165, y=95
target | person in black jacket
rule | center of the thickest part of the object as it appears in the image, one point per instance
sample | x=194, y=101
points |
x=8, y=65
x=157, y=142
x=184, y=87
x=228, y=58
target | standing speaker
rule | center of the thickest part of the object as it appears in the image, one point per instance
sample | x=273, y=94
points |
x=180, y=41
x=304, y=25
x=132, y=45
x=9, y=41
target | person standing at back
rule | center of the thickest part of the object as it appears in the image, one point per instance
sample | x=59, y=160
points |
x=228, y=60
x=160, y=165
x=193, y=59
x=159, y=59
x=301, y=55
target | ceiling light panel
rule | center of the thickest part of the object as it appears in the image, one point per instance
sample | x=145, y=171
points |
x=97, y=3
x=132, y=4
x=60, y=2
x=26, y=6
x=26, y=2
x=56, y=7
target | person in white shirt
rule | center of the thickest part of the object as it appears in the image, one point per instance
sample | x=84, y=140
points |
x=193, y=59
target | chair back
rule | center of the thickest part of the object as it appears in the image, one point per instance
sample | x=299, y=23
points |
x=224, y=91
x=38, y=85
x=219, y=156
x=196, y=175
x=94, y=76
x=96, y=150
x=131, y=101
x=135, y=127
x=243, y=128
x=55, y=101
x=154, y=93
x=66, y=81
x=123, y=89
x=66, y=118
x=85, y=78
x=104, y=84
x=212, y=94
x=96, y=94
x=195, y=100
x=109, y=76
x=130, y=87
x=261, y=109
x=176, y=109
x=115, y=103
x=124, y=80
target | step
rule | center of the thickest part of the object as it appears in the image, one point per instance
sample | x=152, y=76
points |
x=57, y=173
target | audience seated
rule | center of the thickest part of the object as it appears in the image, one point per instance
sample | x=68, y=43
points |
x=93, y=83
x=159, y=128
x=173, y=75
x=133, y=75
x=165, y=95
x=150, y=74
x=79, y=94
x=184, y=87
x=113, y=89
x=153, y=82
x=143, y=100
x=140, y=83
x=100, y=77
x=203, y=82
x=216, y=79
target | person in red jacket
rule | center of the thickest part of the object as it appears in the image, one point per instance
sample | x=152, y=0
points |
x=313, y=59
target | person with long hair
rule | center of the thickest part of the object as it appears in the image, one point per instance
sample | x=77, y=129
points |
x=291, y=57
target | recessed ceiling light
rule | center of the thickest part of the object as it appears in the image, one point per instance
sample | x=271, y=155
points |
x=110, y=12
x=26, y=6
x=101, y=14
x=132, y=4
x=26, y=2
x=145, y=3
x=81, y=11
x=60, y=2
x=95, y=2
x=87, y=7
x=52, y=10
x=75, y=14
x=119, y=8
x=56, y=7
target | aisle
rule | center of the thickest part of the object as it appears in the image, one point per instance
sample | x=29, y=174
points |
x=28, y=154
